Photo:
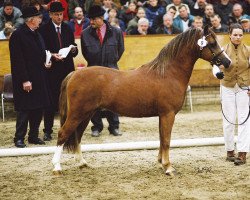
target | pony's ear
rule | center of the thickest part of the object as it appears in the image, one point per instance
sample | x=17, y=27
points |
x=206, y=30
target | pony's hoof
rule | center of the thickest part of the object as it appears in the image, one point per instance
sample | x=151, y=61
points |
x=57, y=173
x=83, y=165
x=171, y=172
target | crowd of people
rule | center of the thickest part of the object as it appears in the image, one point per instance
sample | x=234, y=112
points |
x=163, y=16
x=34, y=26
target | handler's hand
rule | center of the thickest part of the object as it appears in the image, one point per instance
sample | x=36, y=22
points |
x=27, y=86
x=220, y=75
x=57, y=56
x=73, y=49
x=48, y=65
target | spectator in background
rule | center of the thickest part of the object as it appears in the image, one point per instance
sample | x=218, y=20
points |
x=129, y=13
x=199, y=8
x=16, y=3
x=107, y=5
x=237, y=14
x=79, y=23
x=184, y=20
x=133, y=22
x=198, y=22
x=245, y=23
x=8, y=25
x=246, y=7
x=28, y=69
x=112, y=17
x=102, y=45
x=209, y=11
x=172, y=11
x=143, y=28
x=9, y=13
x=57, y=35
x=72, y=4
x=167, y=27
x=177, y=4
x=40, y=8
x=153, y=9
x=224, y=8
x=158, y=21
x=217, y=26
x=6, y=33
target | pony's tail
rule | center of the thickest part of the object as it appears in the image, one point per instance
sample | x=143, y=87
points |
x=71, y=143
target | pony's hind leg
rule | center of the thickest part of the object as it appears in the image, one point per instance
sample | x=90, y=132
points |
x=166, y=124
x=64, y=134
x=78, y=154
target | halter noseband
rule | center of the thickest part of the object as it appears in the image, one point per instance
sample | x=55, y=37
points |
x=203, y=43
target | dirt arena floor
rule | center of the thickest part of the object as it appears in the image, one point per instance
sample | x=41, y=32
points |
x=202, y=174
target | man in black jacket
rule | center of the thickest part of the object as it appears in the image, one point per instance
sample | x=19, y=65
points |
x=102, y=45
x=30, y=85
x=57, y=35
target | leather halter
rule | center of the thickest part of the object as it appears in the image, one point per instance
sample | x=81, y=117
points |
x=215, y=60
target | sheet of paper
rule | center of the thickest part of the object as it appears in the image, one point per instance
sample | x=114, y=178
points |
x=65, y=51
x=48, y=56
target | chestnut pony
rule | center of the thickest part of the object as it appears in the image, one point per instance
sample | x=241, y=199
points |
x=155, y=89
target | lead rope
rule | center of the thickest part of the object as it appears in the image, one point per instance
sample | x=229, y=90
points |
x=248, y=108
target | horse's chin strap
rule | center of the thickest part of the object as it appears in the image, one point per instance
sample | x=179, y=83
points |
x=215, y=60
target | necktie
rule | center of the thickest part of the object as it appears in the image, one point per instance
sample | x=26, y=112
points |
x=59, y=36
x=99, y=35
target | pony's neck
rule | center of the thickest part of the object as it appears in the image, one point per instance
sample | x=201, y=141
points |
x=185, y=64
x=178, y=57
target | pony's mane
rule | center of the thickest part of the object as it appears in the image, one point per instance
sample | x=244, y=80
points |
x=173, y=49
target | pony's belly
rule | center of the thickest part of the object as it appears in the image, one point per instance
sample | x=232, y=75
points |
x=137, y=111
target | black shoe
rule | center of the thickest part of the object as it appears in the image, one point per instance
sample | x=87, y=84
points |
x=95, y=133
x=47, y=137
x=115, y=132
x=35, y=141
x=20, y=144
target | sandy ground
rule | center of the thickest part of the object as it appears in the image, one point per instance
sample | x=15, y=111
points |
x=202, y=174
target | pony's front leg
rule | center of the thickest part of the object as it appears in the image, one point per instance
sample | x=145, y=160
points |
x=166, y=124
x=79, y=157
x=56, y=160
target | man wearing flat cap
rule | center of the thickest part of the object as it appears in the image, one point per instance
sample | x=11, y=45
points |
x=30, y=84
x=102, y=45
x=57, y=35
x=245, y=23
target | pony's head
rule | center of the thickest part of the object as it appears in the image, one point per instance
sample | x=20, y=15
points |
x=210, y=49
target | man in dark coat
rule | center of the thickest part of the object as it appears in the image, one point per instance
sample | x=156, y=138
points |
x=57, y=35
x=30, y=85
x=102, y=45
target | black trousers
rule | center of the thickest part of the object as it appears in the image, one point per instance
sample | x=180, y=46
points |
x=112, y=119
x=48, y=117
x=34, y=118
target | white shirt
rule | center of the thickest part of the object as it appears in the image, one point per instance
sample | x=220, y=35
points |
x=57, y=26
x=185, y=25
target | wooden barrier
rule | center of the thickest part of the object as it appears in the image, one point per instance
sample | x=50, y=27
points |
x=139, y=50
